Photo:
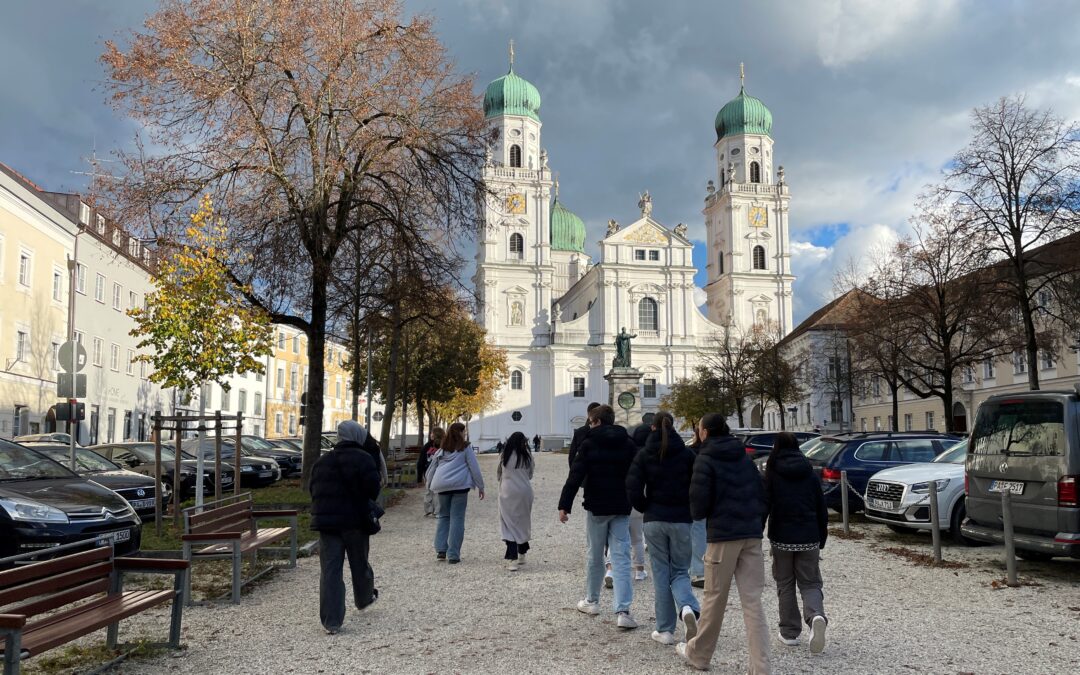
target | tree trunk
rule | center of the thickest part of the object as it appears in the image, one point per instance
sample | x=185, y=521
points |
x=739, y=406
x=783, y=416
x=355, y=375
x=316, y=353
x=390, y=395
x=947, y=402
x=419, y=420
x=1031, y=346
x=894, y=391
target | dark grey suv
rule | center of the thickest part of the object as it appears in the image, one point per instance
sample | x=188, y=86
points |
x=1029, y=445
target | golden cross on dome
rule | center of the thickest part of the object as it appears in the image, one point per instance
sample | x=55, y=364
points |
x=511, y=54
x=742, y=70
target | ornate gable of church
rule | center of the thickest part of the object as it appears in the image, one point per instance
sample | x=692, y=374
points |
x=644, y=231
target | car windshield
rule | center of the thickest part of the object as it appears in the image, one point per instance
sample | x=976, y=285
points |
x=954, y=455
x=1025, y=427
x=807, y=446
x=255, y=443
x=86, y=460
x=21, y=463
x=825, y=450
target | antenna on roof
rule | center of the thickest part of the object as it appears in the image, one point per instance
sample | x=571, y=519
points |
x=94, y=161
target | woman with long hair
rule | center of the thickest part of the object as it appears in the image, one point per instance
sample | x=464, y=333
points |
x=515, y=498
x=453, y=472
x=659, y=487
x=435, y=439
x=798, y=528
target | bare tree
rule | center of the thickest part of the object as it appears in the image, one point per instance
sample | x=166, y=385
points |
x=731, y=360
x=777, y=379
x=1018, y=180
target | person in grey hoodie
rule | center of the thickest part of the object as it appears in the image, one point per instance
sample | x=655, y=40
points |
x=453, y=472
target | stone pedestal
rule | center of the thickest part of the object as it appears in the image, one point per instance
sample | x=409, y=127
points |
x=620, y=381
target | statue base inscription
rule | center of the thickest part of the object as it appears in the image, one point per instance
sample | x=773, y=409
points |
x=623, y=381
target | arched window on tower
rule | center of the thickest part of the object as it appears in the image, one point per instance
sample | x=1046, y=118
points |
x=720, y=262
x=515, y=156
x=759, y=257
x=516, y=380
x=755, y=172
x=648, y=315
x=517, y=246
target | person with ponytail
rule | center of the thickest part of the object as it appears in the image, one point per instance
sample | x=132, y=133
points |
x=658, y=485
x=453, y=472
x=515, y=498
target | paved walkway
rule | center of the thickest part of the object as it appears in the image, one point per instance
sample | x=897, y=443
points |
x=887, y=615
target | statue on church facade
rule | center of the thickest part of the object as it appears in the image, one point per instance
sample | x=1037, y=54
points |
x=645, y=204
x=622, y=349
x=680, y=230
x=612, y=227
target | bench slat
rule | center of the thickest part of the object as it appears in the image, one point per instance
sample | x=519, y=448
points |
x=57, y=582
x=35, y=607
x=46, y=568
x=248, y=542
x=236, y=521
x=219, y=512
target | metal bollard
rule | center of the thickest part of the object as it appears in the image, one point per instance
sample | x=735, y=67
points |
x=1010, y=546
x=844, y=501
x=935, y=523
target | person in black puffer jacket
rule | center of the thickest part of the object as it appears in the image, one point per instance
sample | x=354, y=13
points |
x=658, y=486
x=798, y=528
x=601, y=463
x=343, y=482
x=727, y=489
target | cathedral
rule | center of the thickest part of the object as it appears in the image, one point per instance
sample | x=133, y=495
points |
x=556, y=311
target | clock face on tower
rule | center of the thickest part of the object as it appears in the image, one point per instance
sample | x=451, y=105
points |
x=758, y=216
x=515, y=203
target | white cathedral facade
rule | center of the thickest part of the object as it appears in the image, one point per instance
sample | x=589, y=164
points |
x=556, y=311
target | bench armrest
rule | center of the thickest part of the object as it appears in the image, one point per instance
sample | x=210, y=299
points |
x=12, y=621
x=168, y=565
x=212, y=536
x=274, y=514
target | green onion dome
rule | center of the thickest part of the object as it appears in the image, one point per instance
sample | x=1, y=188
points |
x=567, y=229
x=743, y=115
x=512, y=95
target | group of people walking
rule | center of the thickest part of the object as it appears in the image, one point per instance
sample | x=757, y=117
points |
x=702, y=510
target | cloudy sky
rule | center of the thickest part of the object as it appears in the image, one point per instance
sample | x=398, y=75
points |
x=869, y=98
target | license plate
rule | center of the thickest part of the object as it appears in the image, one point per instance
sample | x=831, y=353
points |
x=1015, y=487
x=881, y=504
x=265, y=474
x=113, y=537
x=138, y=504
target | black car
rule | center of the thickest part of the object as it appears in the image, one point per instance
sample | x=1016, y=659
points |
x=290, y=460
x=760, y=443
x=140, y=491
x=255, y=471
x=139, y=457
x=43, y=504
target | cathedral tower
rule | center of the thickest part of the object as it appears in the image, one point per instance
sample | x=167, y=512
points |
x=746, y=221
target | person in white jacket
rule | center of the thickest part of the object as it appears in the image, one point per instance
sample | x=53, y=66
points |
x=453, y=472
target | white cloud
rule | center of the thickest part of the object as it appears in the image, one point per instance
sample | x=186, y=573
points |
x=853, y=30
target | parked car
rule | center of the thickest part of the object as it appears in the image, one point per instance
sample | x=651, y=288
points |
x=863, y=454
x=290, y=460
x=255, y=471
x=139, y=457
x=1029, y=445
x=140, y=491
x=288, y=443
x=760, y=443
x=900, y=497
x=43, y=504
x=54, y=437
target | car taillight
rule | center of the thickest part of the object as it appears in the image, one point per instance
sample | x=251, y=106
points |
x=749, y=450
x=1067, y=491
x=830, y=475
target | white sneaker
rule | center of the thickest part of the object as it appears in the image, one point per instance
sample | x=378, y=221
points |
x=512, y=566
x=689, y=619
x=521, y=559
x=790, y=642
x=817, y=634
x=664, y=638
x=626, y=621
x=609, y=581
x=641, y=575
x=586, y=607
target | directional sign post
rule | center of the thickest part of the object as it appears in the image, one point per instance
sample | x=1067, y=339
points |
x=72, y=357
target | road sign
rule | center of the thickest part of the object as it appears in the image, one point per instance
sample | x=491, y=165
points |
x=70, y=385
x=64, y=356
x=65, y=410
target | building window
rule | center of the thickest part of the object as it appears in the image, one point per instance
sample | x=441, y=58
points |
x=225, y=396
x=515, y=156
x=648, y=314
x=130, y=367
x=516, y=380
x=99, y=288
x=84, y=214
x=281, y=340
x=281, y=378
x=99, y=224
x=114, y=358
x=279, y=424
x=337, y=389
x=57, y=285
x=517, y=246
x=969, y=375
x=1019, y=363
x=654, y=255
x=258, y=404
x=55, y=356
x=876, y=386
x=292, y=425
x=296, y=344
x=988, y=369
x=516, y=416
x=758, y=255
x=579, y=387
x=117, y=292
x=99, y=347
x=294, y=377
x=836, y=410
x=862, y=424
x=80, y=278
x=258, y=376
x=24, y=269
x=133, y=300
x=907, y=421
x=22, y=346
x=142, y=370
x=877, y=424
x=639, y=254
x=929, y=419
x=127, y=425
x=648, y=388
x=720, y=263
x=755, y=172
x=110, y=426
x=1047, y=359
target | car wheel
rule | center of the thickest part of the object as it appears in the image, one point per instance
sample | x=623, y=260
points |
x=1033, y=556
x=959, y=512
x=900, y=529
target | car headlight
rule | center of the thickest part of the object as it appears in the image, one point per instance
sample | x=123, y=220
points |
x=27, y=510
x=247, y=469
x=924, y=488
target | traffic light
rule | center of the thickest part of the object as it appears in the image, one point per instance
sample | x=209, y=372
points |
x=303, y=407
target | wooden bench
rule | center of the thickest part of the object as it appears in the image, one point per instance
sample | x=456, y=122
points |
x=228, y=528
x=38, y=601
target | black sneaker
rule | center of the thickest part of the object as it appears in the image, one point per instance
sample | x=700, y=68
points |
x=374, y=597
x=441, y=555
x=454, y=561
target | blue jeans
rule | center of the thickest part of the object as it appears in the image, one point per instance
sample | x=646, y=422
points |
x=697, y=542
x=669, y=553
x=450, y=526
x=614, y=531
